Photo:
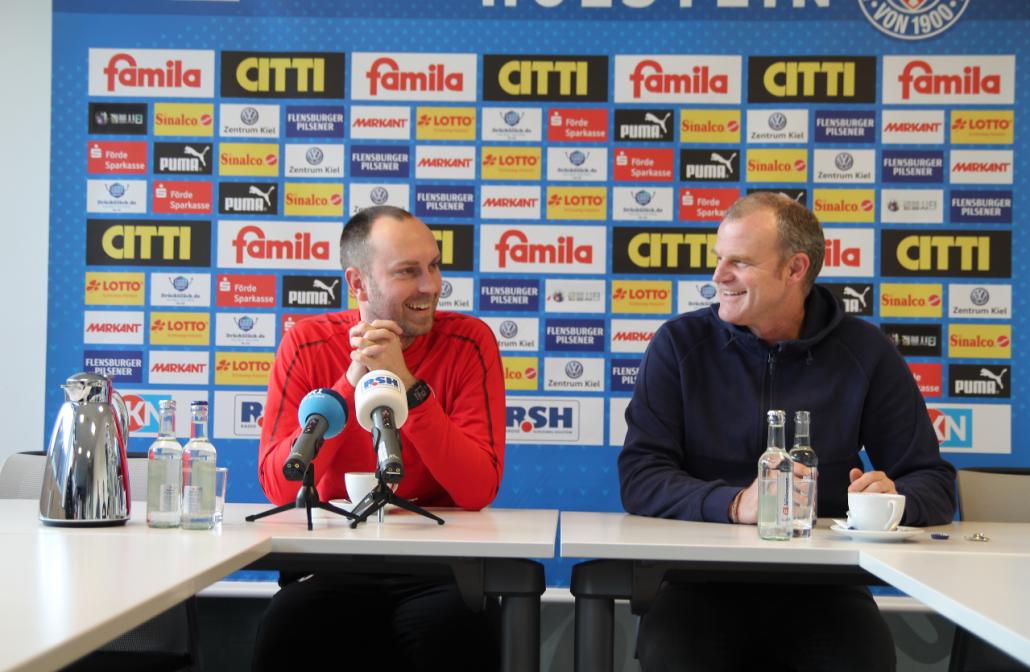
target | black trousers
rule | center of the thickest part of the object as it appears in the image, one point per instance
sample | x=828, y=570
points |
x=384, y=622
x=716, y=627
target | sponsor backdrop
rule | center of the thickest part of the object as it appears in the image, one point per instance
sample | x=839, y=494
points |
x=573, y=159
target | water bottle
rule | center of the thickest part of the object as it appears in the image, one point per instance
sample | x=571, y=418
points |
x=198, y=473
x=805, y=466
x=164, y=472
x=774, y=483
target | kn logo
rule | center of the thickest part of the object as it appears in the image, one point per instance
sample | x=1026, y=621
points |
x=128, y=158
x=849, y=253
x=151, y=73
x=120, y=289
x=542, y=249
x=144, y=418
x=677, y=79
x=277, y=245
x=536, y=77
x=180, y=328
x=138, y=242
x=192, y=119
x=963, y=80
x=413, y=76
x=572, y=420
x=243, y=368
x=238, y=415
x=257, y=74
x=913, y=19
x=972, y=428
x=520, y=373
x=812, y=79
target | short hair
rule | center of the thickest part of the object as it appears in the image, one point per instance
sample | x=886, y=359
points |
x=354, y=247
x=797, y=227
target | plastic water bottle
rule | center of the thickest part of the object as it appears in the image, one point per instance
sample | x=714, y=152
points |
x=805, y=466
x=774, y=483
x=198, y=473
x=164, y=472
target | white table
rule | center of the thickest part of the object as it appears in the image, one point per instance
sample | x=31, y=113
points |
x=488, y=552
x=978, y=585
x=68, y=591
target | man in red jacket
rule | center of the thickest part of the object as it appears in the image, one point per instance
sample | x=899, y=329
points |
x=453, y=450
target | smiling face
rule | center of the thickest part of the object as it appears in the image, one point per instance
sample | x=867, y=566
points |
x=758, y=288
x=403, y=281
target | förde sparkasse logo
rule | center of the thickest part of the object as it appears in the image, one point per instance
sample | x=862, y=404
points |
x=913, y=19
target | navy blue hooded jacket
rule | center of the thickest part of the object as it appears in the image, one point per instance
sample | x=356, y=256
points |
x=696, y=425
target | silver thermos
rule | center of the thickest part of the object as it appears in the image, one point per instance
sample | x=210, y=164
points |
x=86, y=482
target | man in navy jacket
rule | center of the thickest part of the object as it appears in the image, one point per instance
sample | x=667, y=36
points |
x=696, y=427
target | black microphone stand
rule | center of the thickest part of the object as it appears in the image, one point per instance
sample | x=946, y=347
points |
x=381, y=495
x=307, y=499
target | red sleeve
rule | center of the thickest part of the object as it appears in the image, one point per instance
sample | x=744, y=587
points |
x=289, y=383
x=459, y=431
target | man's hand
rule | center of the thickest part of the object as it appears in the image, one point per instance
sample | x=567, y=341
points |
x=747, y=506
x=377, y=346
x=872, y=481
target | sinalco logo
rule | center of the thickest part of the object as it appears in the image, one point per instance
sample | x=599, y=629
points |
x=321, y=199
x=905, y=300
x=913, y=19
x=521, y=373
x=191, y=119
x=980, y=341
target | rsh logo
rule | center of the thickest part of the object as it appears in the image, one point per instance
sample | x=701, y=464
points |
x=954, y=426
x=251, y=412
x=531, y=418
x=380, y=380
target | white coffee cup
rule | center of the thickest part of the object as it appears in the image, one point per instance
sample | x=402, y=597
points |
x=877, y=511
x=359, y=484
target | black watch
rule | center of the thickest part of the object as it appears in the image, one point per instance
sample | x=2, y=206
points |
x=418, y=393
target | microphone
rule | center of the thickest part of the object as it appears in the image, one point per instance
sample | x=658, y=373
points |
x=322, y=413
x=381, y=404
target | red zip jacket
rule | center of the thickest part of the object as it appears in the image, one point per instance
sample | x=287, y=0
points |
x=453, y=443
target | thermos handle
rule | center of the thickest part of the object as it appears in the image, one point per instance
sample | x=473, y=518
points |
x=121, y=412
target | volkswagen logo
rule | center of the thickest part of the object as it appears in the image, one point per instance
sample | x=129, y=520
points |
x=446, y=289
x=777, y=121
x=509, y=329
x=379, y=195
x=574, y=369
x=979, y=296
x=314, y=156
x=249, y=116
x=844, y=161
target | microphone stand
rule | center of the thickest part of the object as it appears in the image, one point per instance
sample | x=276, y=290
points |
x=380, y=496
x=307, y=499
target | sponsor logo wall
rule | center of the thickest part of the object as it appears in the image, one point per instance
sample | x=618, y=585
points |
x=575, y=196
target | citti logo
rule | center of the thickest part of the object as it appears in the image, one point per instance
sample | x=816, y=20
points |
x=122, y=69
x=918, y=76
x=649, y=76
x=564, y=251
x=386, y=73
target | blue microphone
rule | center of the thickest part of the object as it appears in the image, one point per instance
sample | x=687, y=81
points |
x=322, y=413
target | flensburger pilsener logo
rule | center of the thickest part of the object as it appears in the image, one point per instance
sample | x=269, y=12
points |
x=913, y=19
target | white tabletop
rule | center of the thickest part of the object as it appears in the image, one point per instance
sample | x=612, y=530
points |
x=981, y=586
x=490, y=533
x=69, y=590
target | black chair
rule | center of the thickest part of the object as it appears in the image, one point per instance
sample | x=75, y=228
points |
x=167, y=642
x=999, y=495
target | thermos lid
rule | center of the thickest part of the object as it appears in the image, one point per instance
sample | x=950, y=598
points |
x=87, y=387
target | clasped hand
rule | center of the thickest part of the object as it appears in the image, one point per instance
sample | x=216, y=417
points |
x=377, y=345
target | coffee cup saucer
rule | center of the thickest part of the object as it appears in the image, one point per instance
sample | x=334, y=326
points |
x=900, y=534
